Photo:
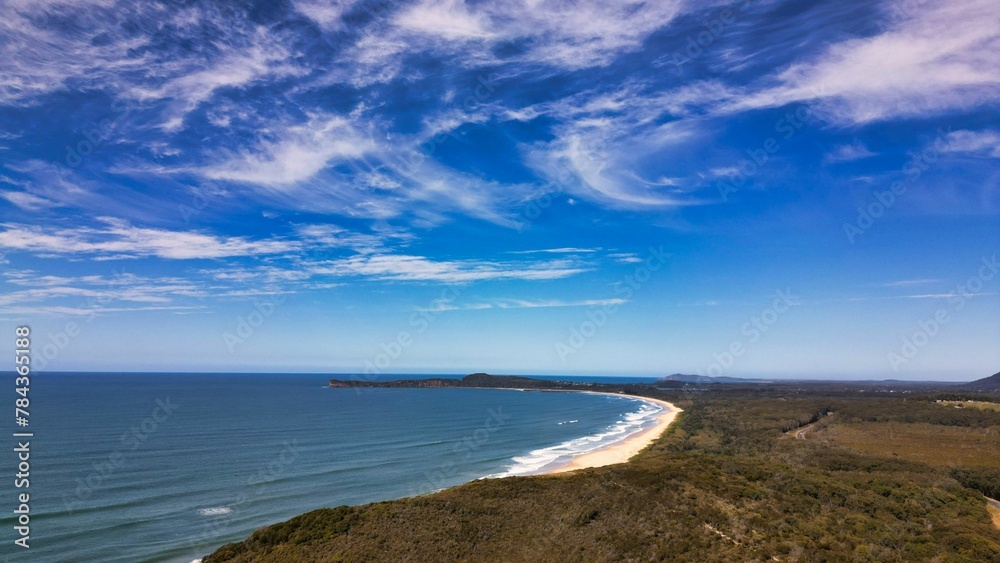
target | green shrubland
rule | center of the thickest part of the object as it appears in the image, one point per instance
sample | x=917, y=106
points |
x=726, y=483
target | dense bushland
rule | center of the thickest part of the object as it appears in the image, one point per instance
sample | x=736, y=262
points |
x=726, y=483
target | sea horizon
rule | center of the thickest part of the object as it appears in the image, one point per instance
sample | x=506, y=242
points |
x=574, y=377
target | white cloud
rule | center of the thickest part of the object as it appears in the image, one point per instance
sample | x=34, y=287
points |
x=724, y=171
x=260, y=57
x=119, y=240
x=327, y=14
x=28, y=201
x=329, y=165
x=856, y=150
x=944, y=295
x=63, y=311
x=598, y=162
x=605, y=141
x=563, y=250
x=141, y=53
x=298, y=153
x=401, y=267
x=155, y=293
x=449, y=19
x=40, y=58
x=373, y=59
x=584, y=33
x=523, y=304
x=564, y=35
x=51, y=295
x=331, y=236
x=908, y=283
x=940, y=58
x=626, y=258
x=48, y=185
x=983, y=143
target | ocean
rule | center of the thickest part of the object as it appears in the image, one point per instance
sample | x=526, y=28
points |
x=168, y=467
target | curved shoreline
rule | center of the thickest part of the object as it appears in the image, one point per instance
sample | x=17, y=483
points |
x=621, y=452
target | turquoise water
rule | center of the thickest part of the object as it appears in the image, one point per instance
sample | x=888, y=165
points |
x=156, y=467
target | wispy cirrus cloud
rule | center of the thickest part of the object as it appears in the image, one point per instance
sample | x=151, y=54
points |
x=328, y=164
x=448, y=19
x=261, y=56
x=89, y=295
x=909, y=283
x=569, y=36
x=60, y=311
x=402, y=267
x=328, y=15
x=296, y=153
x=28, y=201
x=984, y=143
x=117, y=239
x=935, y=59
x=562, y=250
x=855, y=150
x=598, y=155
x=140, y=52
x=592, y=33
x=41, y=58
x=945, y=295
x=523, y=304
x=626, y=258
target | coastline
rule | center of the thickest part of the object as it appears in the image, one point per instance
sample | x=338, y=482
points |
x=618, y=452
x=621, y=452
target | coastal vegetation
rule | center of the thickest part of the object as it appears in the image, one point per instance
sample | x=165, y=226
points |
x=884, y=474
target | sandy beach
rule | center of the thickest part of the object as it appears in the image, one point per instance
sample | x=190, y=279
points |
x=621, y=452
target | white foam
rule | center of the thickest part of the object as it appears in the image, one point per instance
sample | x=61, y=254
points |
x=215, y=511
x=540, y=460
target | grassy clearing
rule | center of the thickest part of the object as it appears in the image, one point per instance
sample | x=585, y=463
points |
x=935, y=444
x=972, y=404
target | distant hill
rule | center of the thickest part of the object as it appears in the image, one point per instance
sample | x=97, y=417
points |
x=518, y=382
x=469, y=381
x=687, y=378
x=989, y=384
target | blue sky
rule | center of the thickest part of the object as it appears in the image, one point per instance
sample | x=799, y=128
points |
x=781, y=189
